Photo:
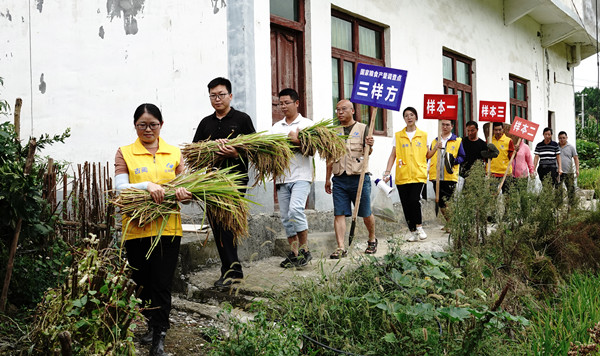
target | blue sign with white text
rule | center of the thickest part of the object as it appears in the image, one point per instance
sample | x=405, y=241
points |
x=377, y=86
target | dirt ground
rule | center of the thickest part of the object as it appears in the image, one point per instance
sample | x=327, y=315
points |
x=185, y=337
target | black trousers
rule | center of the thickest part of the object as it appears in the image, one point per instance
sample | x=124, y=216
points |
x=410, y=195
x=543, y=171
x=155, y=275
x=447, y=188
x=224, y=239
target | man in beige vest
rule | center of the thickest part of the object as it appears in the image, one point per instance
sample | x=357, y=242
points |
x=346, y=176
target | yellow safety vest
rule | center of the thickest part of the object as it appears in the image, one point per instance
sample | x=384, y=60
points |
x=158, y=168
x=499, y=164
x=411, y=157
x=451, y=147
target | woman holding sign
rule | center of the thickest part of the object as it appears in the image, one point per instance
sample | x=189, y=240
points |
x=410, y=156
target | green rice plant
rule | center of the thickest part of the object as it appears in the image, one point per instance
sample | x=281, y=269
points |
x=564, y=319
x=589, y=178
x=270, y=154
x=324, y=138
x=221, y=192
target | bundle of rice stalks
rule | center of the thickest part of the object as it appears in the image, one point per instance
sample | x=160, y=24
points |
x=270, y=154
x=219, y=190
x=323, y=138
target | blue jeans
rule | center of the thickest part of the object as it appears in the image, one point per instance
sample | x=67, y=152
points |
x=292, y=199
x=344, y=192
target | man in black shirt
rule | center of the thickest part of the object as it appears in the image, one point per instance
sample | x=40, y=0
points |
x=225, y=123
x=475, y=149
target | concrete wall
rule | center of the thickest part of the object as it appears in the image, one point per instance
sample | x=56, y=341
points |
x=88, y=64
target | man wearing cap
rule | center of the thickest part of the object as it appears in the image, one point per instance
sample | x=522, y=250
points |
x=451, y=155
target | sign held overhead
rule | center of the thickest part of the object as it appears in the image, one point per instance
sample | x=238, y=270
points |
x=440, y=106
x=377, y=86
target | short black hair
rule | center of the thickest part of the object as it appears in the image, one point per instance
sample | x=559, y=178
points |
x=562, y=133
x=147, y=108
x=472, y=123
x=547, y=129
x=291, y=93
x=411, y=109
x=496, y=124
x=220, y=81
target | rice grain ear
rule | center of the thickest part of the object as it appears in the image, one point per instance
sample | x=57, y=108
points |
x=219, y=190
x=270, y=154
x=323, y=138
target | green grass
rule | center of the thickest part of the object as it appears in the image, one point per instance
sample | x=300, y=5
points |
x=589, y=178
x=566, y=319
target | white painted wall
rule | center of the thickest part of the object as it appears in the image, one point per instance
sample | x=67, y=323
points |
x=94, y=84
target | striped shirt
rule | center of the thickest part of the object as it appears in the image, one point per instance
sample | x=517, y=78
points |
x=547, y=153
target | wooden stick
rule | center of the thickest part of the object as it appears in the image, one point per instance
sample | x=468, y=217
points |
x=489, y=162
x=13, y=247
x=509, y=164
x=17, y=120
x=440, y=165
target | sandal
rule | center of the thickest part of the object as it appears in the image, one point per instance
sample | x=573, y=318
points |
x=371, y=247
x=338, y=253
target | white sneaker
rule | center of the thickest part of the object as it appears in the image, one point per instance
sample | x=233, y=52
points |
x=421, y=233
x=412, y=236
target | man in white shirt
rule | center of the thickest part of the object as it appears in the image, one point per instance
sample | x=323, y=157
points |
x=293, y=187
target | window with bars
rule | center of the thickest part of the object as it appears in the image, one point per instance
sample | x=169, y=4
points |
x=457, y=80
x=355, y=41
x=518, y=98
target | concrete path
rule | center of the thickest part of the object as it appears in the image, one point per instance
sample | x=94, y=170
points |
x=265, y=274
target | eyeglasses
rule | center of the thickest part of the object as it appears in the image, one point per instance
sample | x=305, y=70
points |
x=285, y=103
x=143, y=126
x=221, y=96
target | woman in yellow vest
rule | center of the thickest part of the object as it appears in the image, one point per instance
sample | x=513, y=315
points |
x=145, y=164
x=451, y=156
x=410, y=156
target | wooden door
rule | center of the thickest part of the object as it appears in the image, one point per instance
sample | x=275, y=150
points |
x=287, y=67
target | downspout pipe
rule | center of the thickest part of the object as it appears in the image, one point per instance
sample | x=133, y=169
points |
x=576, y=58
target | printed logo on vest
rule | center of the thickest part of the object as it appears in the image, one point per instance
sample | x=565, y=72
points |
x=418, y=143
x=141, y=170
x=169, y=167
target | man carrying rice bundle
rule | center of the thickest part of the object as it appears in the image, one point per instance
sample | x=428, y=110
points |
x=294, y=186
x=225, y=123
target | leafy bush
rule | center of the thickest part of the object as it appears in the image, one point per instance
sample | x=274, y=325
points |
x=589, y=154
x=21, y=198
x=95, y=307
x=4, y=106
x=257, y=337
x=398, y=305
